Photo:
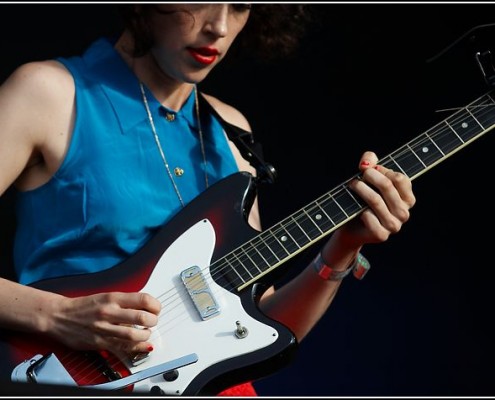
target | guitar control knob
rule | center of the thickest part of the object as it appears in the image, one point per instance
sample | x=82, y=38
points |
x=241, y=331
x=156, y=391
x=171, y=375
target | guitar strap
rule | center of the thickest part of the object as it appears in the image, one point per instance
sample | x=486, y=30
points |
x=250, y=149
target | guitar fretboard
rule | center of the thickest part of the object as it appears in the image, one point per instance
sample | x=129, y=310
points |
x=276, y=245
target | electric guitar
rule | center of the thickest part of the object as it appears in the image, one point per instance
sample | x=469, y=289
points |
x=208, y=268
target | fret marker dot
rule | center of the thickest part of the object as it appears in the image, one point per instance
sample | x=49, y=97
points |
x=283, y=238
x=318, y=216
x=425, y=149
x=464, y=125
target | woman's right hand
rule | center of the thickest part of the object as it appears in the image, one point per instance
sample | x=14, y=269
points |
x=116, y=322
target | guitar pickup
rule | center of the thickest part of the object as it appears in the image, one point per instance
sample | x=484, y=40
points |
x=200, y=292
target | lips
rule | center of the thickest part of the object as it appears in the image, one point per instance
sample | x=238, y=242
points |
x=204, y=55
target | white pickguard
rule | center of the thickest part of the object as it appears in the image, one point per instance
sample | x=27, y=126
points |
x=180, y=330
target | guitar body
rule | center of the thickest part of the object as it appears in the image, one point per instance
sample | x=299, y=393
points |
x=206, y=229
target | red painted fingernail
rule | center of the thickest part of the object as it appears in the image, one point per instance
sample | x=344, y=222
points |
x=375, y=167
x=150, y=348
x=365, y=163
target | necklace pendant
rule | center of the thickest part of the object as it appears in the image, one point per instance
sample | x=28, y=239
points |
x=178, y=171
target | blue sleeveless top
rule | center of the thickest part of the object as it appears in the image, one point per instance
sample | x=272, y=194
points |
x=112, y=191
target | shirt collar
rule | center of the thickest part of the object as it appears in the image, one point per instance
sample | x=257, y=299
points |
x=121, y=87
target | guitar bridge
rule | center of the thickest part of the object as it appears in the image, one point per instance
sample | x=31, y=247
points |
x=48, y=369
x=45, y=369
x=200, y=292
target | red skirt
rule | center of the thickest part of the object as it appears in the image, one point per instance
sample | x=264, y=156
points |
x=244, y=389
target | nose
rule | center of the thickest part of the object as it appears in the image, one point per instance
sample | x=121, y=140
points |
x=216, y=22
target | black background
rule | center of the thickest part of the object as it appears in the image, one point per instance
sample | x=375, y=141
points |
x=420, y=324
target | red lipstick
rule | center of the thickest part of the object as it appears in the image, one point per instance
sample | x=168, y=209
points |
x=204, y=55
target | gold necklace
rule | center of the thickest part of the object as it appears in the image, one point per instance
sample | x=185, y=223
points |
x=162, y=153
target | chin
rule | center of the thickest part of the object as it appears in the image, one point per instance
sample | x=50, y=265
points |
x=195, y=77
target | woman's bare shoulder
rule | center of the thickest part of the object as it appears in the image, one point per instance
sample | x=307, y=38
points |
x=38, y=78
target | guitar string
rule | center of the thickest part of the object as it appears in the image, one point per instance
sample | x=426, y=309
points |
x=429, y=134
x=401, y=152
x=427, y=138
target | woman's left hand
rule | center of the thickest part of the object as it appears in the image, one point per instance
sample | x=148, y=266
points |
x=389, y=197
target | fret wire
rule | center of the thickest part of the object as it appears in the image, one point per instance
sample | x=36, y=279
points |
x=321, y=218
x=252, y=255
x=238, y=270
x=484, y=110
x=291, y=226
x=244, y=266
x=287, y=233
x=234, y=269
x=435, y=144
x=340, y=207
x=477, y=114
x=436, y=133
x=409, y=164
x=275, y=244
x=307, y=225
x=253, y=247
x=346, y=201
x=482, y=127
x=246, y=253
x=272, y=244
x=467, y=127
x=297, y=225
x=354, y=198
x=396, y=163
x=453, y=130
x=393, y=162
x=327, y=205
x=328, y=216
x=220, y=271
x=471, y=130
x=445, y=139
x=311, y=219
x=232, y=263
x=419, y=159
x=269, y=248
x=402, y=152
x=243, y=259
x=278, y=241
x=428, y=152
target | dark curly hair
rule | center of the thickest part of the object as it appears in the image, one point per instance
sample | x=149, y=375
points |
x=275, y=30
x=272, y=30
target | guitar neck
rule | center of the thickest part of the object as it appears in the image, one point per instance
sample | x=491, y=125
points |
x=276, y=245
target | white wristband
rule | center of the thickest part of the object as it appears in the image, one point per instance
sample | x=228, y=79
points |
x=360, y=266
